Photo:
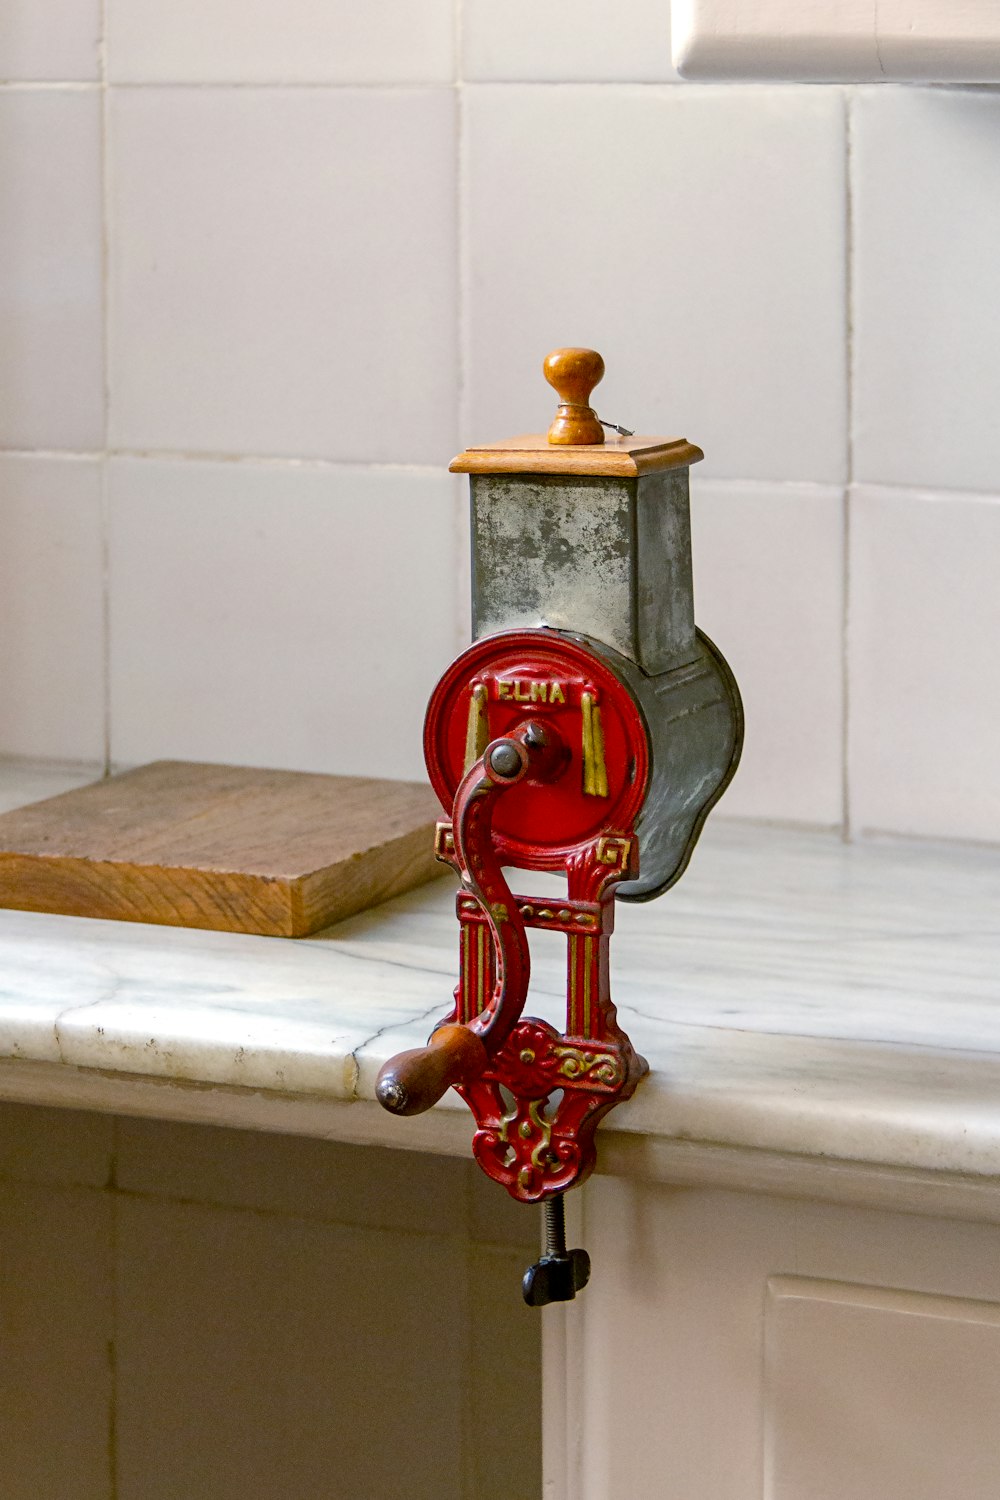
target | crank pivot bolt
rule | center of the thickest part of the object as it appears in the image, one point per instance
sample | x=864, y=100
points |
x=504, y=760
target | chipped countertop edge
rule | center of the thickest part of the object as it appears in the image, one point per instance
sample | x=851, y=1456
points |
x=820, y=1019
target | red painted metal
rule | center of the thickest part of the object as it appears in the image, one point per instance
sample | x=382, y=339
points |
x=540, y=827
x=543, y=1092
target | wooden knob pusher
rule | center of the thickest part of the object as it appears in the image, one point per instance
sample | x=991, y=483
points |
x=573, y=373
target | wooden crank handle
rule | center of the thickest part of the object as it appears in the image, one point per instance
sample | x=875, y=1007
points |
x=414, y=1081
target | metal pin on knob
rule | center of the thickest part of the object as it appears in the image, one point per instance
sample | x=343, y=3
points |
x=560, y=1273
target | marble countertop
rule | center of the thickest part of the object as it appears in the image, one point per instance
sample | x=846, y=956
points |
x=817, y=1016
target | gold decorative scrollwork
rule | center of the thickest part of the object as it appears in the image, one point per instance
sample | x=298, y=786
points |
x=506, y=1121
x=614, y=851
x=603, y=1067
x=539, y=1157
x=444, y=842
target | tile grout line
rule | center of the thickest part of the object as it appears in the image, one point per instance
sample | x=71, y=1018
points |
x=359, y=85
x=263, y=85
x=263, y=460
x=105, y=189
x=50, y=85
x=769, y=486
x=463, y=622
x=266, y=460
x=267, y=85
x=845, y=619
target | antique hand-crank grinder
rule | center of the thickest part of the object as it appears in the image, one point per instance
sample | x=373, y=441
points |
x=589, y=729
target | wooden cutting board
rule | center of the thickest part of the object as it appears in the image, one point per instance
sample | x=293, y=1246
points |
x=280, y=853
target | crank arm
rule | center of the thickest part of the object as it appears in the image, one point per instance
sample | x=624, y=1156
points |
x=413, y=1081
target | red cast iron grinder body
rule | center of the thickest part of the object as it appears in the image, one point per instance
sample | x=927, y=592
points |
x=573, y=752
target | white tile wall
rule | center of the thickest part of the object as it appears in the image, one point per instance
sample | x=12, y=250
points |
x=283, y=272
x=278, y=615
x=51, y=608
x=294, y=41
x=769, y=584
x=694, y=236
x=927, y=353
x=49, y=39
x=349, y=234
x=50, y=250
x=924, y=627
x=523, y=41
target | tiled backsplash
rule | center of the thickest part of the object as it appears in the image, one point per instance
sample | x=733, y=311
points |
x=266, y=269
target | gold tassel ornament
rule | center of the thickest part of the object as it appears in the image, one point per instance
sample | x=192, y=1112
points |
x=595, y=772
x=477, y=735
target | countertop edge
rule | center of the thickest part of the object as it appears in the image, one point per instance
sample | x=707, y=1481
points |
x=655, y=1160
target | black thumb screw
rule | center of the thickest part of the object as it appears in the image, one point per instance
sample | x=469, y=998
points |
x=560, y=1273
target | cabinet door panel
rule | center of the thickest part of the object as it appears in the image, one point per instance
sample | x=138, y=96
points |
x=871, y=1392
